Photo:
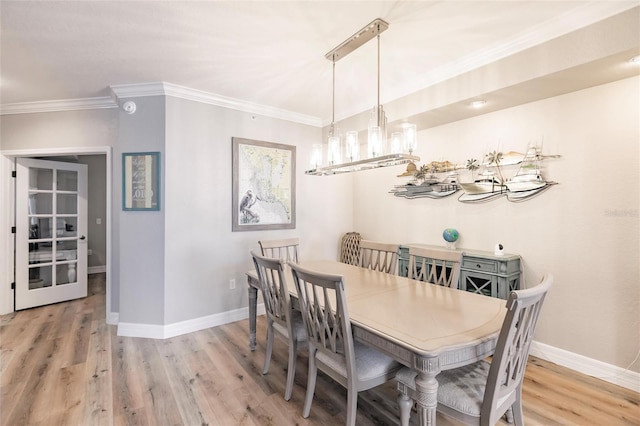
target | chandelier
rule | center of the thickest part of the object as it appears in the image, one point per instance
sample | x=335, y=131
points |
x=382, y=150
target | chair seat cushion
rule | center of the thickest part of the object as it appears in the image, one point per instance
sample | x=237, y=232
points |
x=461, y=388
x=299, y=333
x=370, y=363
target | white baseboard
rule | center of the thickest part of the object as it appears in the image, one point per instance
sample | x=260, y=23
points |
x=96, y=269
x=171, y=330
x=113, y=318
x=589, y=366
x=607, y=372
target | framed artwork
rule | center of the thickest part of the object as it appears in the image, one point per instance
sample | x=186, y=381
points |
x=141, y=181
x=264, y=185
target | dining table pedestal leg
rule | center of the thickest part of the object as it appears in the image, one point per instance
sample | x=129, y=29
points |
x=427, y=397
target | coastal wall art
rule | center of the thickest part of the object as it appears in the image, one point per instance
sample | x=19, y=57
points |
x=489, y=180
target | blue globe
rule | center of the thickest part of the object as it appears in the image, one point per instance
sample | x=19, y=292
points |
x=450, y=235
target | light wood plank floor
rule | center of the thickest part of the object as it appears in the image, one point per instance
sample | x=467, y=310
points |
x=62, y=365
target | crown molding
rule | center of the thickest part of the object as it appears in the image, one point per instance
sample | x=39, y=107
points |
x=58, y=105
x=168, y=89
x=122, y=91
x=138, y=90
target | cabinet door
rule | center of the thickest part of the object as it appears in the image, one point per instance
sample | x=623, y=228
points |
x=480, y=283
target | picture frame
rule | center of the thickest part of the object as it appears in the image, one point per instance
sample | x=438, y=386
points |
x=141, y=181
x=263, y=185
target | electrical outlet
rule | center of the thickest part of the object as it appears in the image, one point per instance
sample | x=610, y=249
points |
x=89, y=252
x=232, y=284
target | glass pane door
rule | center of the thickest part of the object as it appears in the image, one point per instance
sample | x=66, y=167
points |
x=53, y=200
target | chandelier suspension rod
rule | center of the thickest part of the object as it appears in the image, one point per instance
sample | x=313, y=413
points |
x=378, y=104
x=333, y=98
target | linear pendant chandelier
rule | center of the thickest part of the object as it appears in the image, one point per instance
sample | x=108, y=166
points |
x=381, y=151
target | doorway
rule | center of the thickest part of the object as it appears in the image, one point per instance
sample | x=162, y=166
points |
x=98, y=262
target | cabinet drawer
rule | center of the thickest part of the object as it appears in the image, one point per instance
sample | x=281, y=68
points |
x=475, y=264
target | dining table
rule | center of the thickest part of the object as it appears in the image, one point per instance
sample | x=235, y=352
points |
x=426, y=327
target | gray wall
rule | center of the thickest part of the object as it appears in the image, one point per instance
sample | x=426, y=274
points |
x=140, y=234
x=201, y=252
x=175, y=264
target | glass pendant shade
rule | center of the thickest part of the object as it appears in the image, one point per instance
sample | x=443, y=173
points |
x=375, y=141
x=397, y=142
x=352, y=147
x=334, y=150
x=316, y=155
x=410, y=137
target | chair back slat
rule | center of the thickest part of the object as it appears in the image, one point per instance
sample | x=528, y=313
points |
x=381, y=257
x=435, y=266
x=284, y=249
x=512, y=349
x=324, y=313
x=274, y=289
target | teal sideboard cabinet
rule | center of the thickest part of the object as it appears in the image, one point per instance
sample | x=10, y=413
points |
x=481, y=272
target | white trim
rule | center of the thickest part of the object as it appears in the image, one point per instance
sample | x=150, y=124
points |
x=113, y=318
x=168, y=89
x=137, y=90
x=109, y=228
x=6, y=237
x=157, y=89
x=6, y=243
x=96, y=269
x=58, y=105
x=589, y=366
x=152, y=331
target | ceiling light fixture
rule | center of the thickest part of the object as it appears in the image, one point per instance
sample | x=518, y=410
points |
x=379, y=153
x=635, y=60
x=478, y=104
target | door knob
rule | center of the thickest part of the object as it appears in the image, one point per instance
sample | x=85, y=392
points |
x=82, y=237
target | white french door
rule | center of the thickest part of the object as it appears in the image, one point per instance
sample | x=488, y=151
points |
x=51, y=229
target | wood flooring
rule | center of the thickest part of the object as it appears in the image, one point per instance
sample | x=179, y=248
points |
x=63, y=365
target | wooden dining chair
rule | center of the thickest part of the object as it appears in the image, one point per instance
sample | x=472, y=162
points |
x=481, y=393
x=332, y=349
x=381, y=257
x=285, y=249
x=428, y=264
x=281, y=318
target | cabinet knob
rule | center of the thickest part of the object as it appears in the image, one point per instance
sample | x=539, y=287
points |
x=478, y=266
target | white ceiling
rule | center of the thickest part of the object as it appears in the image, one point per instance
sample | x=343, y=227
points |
x=267, y=52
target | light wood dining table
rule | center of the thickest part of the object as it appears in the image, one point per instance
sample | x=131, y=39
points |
x=426, y=327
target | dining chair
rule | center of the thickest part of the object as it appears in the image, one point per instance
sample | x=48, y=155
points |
x=285, y=249
x=423, y=265
x=381, y=257
x=481, y=393
x=281, y=318
x=332, y=349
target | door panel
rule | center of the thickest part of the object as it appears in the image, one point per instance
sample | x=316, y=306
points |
x=51, y=224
